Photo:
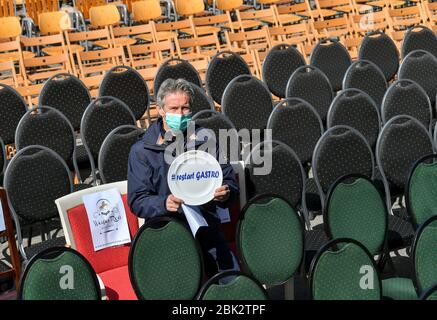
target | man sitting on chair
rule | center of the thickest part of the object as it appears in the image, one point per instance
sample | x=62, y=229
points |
x=148, y=193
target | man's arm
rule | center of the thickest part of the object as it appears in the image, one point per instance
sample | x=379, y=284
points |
x=142, y=198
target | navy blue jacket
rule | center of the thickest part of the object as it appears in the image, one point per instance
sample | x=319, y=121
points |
x=147, y=176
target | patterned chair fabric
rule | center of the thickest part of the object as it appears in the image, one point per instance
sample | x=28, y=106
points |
x=222, y=68
x=297, y=124
x=176, y=69
x=42, y=277
x=67, y=94
x=278, y=66
x=420, y=195
x=241, y=287
x=129, y=87
x=333, y=59
x=12, y=108
x=341, y=151
x=356, y=109
x=419, y=38
x=247, y=103
x=114, y=153
x=165, y=261
x=336, y=272
x=270, y=239
x=313, y=86
x=47, y=127
x=406, y=97
x=201, y=101
x=430, y=294
x=402, y=141
x=366, y=76
x=101, y=117
x=283, y=159
x=380, y=49
x=421, y=67
x=355, y=209
x=3, y=161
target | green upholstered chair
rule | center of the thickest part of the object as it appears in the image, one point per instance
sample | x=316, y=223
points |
x=59, y=273
x=421, y=190
x=430, y=294
x=165, y=262
x=270, y=239
x=424, y=257
x=238, y=286
x=355, y=209
x=344, y=270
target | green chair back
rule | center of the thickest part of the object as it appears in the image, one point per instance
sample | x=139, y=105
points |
x=241, y=287
x=431, y=294
x=344, y=270
x=356, y=210
x=425, y=255
x=59, y=274
x=421, y=192
x=165, y=262
x=270, y=239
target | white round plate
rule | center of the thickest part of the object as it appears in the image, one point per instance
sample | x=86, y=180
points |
x=194, y=176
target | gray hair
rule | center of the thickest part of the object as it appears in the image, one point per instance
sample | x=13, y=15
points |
x=171, y=86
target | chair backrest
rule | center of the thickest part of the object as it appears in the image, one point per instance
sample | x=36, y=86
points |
x=406, y=97
x=355, y=209
x=297, y=124
x=12, y=108
x=54, y=22
x=241, y=287
x=421, y=67
x=10, y=27
x=338, y=272
x=7, y=8
x=188, y=8
x=157, y=246
x=101, y=117
x=176, y=68
x=278, y=66
x=101, y=16
x=47, y=127
x=126, y=84
x=312, y=85
x=420, y=194
x=66, y=93
x=330, y=56
x=77, y=232
x=380, y=49
x=282, y=160
x=366, y=76
x=222, y=68
x=146, y=10
x=35, y=178
x=43, y=277
x=201, y=101
x=402, y=141
x=356, y=109
x=424, y=255
x=419, y=38
x=341, y=151
x=227, y=5
x=114, y=153
x=247, y=102
x=270, y=239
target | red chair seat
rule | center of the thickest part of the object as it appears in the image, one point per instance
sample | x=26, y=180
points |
x=117, y=284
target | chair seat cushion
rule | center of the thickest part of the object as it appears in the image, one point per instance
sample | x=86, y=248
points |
x=117, y=284
x=399, y=289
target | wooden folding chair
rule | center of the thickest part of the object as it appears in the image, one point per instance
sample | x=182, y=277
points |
x=401, y=19
x=294, y=34
x=254, y=18
x=327, y=8
x=251, y=45
x=337, y=27
x=230, y=7
x=9, y=234
x=290, y=13
x=369, y=21
x=30, y=93
x=84, y=6
x=7, y=74
x=7, y=8
x=40, y=68
x=209, y=25
x=429, y=10
x=35, y=7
